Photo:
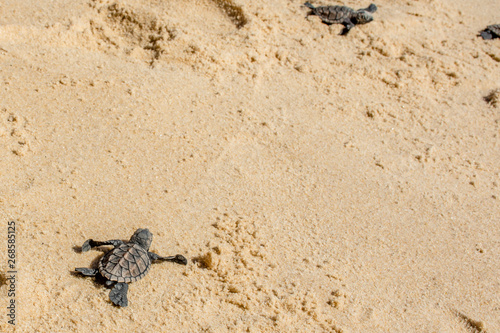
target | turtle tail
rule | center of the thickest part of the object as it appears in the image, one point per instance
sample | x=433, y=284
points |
x=308, y=5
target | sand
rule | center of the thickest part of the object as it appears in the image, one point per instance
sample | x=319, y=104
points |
x=315, y=182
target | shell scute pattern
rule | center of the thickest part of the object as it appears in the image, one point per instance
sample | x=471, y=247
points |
x=126, y=263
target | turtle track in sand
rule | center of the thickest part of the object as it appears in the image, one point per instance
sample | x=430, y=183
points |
x=147, y=32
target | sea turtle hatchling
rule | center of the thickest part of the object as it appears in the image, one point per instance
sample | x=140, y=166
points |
x=126, y=262
x=342, y=15
x=491, y=31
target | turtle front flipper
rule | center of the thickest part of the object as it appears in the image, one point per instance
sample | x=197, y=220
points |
x=308, y=5
x=118, y=295
x=178, y=258
x=87, y=271
x=90, y=243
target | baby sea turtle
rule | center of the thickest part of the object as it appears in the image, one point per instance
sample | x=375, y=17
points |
x=342, y=15
x=126, y=262
x=491, y=31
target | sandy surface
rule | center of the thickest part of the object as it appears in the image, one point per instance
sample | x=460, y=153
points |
x=316, y=182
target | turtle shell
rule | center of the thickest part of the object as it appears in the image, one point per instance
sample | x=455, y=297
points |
x=128, y=262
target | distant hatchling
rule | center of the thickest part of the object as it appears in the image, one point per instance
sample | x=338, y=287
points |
x=126, y=262
x=342, y=15
x=491, y=32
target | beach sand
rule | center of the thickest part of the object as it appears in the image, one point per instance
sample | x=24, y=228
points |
x=315, y=182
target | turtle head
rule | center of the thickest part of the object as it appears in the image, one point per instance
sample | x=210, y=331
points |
x=362, y=17
x=143, y=238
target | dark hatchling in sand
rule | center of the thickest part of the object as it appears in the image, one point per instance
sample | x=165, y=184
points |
x=491, y=32
x=343, y=15
x=126, y=262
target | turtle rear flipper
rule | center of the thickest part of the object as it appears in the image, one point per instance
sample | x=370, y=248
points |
x=118, y=295
x=308, y=5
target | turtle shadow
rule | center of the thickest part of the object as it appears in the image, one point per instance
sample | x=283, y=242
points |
x=95, y=262
x=104, y=249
